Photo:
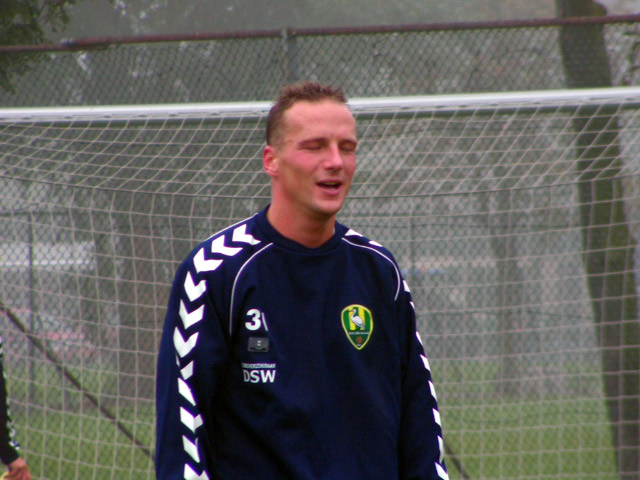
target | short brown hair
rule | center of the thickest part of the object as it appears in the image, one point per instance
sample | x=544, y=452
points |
x=290, y=94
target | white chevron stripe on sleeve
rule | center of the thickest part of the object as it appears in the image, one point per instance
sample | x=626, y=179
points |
x=436, y=417
x=189, y=421
x=442, y=473
x=441, y=447
x=218, y=246
x=184, y=347
x=194, y=291
x=433, y=390
x=185, y=391
x=203, y=265
x=189, y=474
x=190, y=318
x=187, y=371
x=240, y=235
x=425, y=361
x=191, y=448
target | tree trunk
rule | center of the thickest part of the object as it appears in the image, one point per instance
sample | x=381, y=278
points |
x=508, y=293
x=609, y=247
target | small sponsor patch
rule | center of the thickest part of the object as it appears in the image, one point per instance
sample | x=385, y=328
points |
x=357, y=323
x=258, y=344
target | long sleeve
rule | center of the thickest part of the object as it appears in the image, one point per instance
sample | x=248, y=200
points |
x=192, y=352
x=421, y=453
x=8, y=445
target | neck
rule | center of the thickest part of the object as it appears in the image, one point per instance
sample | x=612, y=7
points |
x=306, y=231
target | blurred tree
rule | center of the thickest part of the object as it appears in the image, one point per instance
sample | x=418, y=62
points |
x=609, y=245
x=23, y=22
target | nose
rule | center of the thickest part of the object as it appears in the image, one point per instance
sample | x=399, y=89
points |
x=333, y=160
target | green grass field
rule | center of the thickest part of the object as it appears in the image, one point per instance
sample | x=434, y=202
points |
x=527, y=432
x=65, y=437
x=555, y=438
x=83, y=446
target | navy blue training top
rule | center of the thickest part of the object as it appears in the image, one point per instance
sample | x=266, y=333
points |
x=279, y=361
x=8, y=444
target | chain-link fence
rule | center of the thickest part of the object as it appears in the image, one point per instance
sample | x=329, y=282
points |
x=491, y=209
x=417, y=60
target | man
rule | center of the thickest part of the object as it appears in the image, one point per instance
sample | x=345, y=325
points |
x=290, y=348
x=18, y=469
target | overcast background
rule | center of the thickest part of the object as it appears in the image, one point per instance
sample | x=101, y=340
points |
x=96, y=18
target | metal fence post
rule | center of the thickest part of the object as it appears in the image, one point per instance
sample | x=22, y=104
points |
x=289, y=55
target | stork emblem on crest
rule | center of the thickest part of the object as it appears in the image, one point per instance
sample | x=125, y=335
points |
x=357, y=322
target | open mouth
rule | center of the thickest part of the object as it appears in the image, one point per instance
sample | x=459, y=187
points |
x=330, y=185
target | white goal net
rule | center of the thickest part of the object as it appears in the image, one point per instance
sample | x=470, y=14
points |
x=514, y=217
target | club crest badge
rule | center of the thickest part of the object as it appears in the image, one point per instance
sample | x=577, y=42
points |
x=357, y=322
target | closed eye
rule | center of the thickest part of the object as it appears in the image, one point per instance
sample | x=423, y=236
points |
x=349, y=147
x=312, y=146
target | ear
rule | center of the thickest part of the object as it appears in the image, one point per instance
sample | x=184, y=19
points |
x=270, y=161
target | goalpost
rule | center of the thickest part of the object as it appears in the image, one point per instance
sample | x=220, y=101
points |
x=514, y=217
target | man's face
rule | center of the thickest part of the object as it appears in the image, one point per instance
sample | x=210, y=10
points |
x=313, y=161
